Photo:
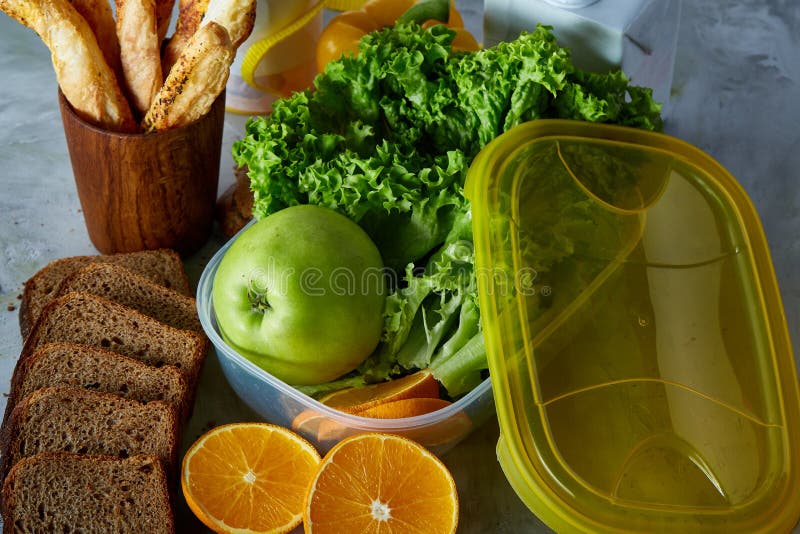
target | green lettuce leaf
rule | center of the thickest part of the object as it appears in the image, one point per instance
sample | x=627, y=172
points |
x=386, y=138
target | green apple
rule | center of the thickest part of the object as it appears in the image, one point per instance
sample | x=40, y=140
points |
x=300, y=293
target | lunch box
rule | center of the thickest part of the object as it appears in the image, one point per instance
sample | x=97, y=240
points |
x=641, y=365
x=279, y=403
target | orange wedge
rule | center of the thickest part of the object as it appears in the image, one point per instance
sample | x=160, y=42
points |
x=354, y=400
x=307, y=422
x=248, y=477
x=371, y=483
x=404, y=408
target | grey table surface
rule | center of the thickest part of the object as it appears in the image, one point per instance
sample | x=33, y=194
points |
x=735, y=95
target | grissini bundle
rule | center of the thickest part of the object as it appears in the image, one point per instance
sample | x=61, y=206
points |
x=194, y=82
x=84, y=76
x=112, y=72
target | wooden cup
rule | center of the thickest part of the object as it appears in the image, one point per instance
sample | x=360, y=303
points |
x=146, y=191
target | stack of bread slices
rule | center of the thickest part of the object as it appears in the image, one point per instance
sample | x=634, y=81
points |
x=104, y=384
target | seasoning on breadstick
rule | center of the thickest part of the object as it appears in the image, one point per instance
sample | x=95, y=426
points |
x=236, y=16
x=197, y=78
x=140, y=51
x=84, y=76
x=190, y=14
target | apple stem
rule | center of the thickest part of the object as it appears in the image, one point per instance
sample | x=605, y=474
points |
x=258, y=300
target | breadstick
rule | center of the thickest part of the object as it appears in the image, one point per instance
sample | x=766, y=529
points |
x=195, y=81
x=83, y=75
x=101, y=20
x=163, y=17
x=140, y=51
x=236, y=16
x=190, y=14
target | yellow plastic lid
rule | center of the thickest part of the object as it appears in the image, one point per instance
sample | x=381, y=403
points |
x=640, y=361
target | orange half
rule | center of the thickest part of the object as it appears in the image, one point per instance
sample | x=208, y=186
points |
x=371, y=483
x=248, y=477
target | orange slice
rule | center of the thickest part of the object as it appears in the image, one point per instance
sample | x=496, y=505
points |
x=248, y=477
x=440, y=434
x=370, y=483
x=354, y=400
x=307, y=422
x=404, y=408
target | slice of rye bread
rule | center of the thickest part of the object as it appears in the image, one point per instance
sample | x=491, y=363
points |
x=130, y=289
x=71, y=419
x=82, y=366
x=98, y=322
x=162, y=266
x=67, y=492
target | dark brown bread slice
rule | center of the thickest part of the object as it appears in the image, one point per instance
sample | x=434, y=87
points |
x=98, y=322
x=67, y=492
x=161, y=266
x=130, y=289
x=82, y=366
x=89, y=422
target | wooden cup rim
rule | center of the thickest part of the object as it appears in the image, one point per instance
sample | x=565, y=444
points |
x=64, y=103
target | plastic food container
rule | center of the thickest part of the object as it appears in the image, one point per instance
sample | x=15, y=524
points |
x=280, y=403
x=641, y=365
